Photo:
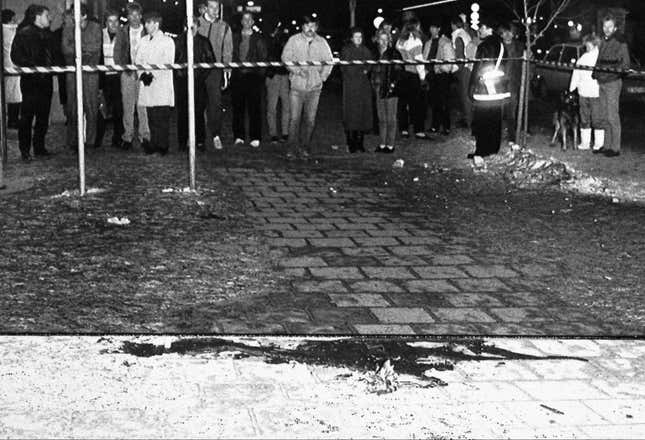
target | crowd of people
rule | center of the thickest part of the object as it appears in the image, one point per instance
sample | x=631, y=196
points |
x=397, y=96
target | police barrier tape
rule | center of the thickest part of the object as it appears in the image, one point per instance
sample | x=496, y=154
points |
x=245, y=65
x=336, y=62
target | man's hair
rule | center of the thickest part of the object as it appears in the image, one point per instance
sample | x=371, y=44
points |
x=152, y=16
x=7, y=16
x=32, y=12
x=503, y=27
x=83, y=10
x=489, y=21
x=610, y=17
x=457, y=21
x=133, y=7
x=249, y=13
x=356, y=30
x=111, y=13
x=381, y=32
x=591, y=38
x=308, y=19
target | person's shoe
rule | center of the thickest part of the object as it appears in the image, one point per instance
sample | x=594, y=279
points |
x=445, y=132
x=611, y=153
x=255, y=143
x=146, y=146
x=421, y=135
x=380, y=149
x=126, y=145
x=217, y=143
x=389, y=149
x=600, y=150
x=162, y=153
x=239, y=141
x=304, y=154
x=43, y=153
x=284, y=139
x=26, y=158
x=274, y=140
x=434, y=130
x=201, y=146
x=291, y=156
x=405, y=134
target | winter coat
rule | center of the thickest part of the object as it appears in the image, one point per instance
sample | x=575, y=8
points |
x=157, y=49
x=122, y=52
x=202, y=53
x=385, y=78
x=480, y=92
x=219, y=34
x=298, y=48
x=257, y=52
x=613, y=54
x=91, y=43
x=357, y=89
x=11, y=83
x=445, y=51
x=583, y=79
x=412, y=50
x=32, y=47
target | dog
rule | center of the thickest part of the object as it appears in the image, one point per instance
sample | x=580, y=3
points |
x=567, y=119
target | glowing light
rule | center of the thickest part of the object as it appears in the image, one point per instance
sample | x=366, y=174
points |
x=579, y=27
x=294, y=22
x=250, y=3
x=474, y=7
x=380, y=10
x=539, y=51
x=378, y=21
x=314, y=15
x=570, y=23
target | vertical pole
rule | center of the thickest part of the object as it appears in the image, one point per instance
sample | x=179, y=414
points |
x=519, y=116
x=191, y=93
x=3, y=108
x=79, y=95
x=525, y=69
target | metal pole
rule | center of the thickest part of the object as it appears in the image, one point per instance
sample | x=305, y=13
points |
x=3, y=108
x=79, y=95
x=191, y=92
x=519, y=114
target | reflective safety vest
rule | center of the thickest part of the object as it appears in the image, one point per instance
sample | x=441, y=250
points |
x=492, y=84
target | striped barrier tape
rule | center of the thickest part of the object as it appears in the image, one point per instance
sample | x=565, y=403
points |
x=555, y=65
x=245, y=65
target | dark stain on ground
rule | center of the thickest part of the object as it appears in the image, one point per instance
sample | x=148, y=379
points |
x=363, y=354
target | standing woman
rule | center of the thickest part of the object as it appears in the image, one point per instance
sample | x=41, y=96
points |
x=385, y=79
x=357, y=92
x=13, y=96
x=411, y=102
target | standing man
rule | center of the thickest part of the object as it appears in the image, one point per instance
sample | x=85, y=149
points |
x=246, y=84
x=156, y=92
x=613, y=54
x=306, y=83
x=460, y=40
x=91, y=42
x=219, y=34
x=33, y=46
x=489, y=91
x=111, y=83
x=126, y=45
x=440, y=78
x=277, y=83
x=513, y=49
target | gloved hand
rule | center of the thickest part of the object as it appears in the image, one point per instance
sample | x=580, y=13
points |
x=146, y=78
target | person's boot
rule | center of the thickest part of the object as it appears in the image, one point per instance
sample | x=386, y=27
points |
x=585, y=139
x=599, y=141
x=351, y=141
x=360, y=140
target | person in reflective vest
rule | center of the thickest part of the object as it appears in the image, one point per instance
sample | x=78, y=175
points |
x=489, y=90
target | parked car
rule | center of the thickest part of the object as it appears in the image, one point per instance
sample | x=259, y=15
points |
x=550, y=80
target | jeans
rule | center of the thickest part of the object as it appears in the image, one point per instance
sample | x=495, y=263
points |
x=159, y=120
x=386, y=109
x=590, y=113
x=463, y=78
x=90, y=108
x=214, y=92
x=439, y=100
x=130, y=94
x=112, y=95
x=181, y=102
x=278, y=90
x=36, y=103
x=246, y=93
x=610, y=104
x=411, y=103
x=302, y=102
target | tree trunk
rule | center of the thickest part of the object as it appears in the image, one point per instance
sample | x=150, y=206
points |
x=352, y=13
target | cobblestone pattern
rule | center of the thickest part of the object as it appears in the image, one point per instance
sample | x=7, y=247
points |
x=360, y=263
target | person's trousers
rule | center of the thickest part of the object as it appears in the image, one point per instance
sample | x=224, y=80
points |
x=246, y=94
x=440, y=99
x=463, y=84
x=159, y=121
x=112, y=95
x=36, y=102
x=590, y=113
x=303, y=105
x=487, y=128
x=610, y=105
x=411, y=103
x=355, y=140
x=278, y=90
x=13, y=115
x=130, y=96
x=90, y=107
x=201, y=101
x=386, y=109
x=214, y=92
x=510, y=114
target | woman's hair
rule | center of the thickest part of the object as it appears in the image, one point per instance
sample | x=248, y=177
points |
x=591, y=38
x=7, y=16
x=31, y=13
x=411, y=27
x=355, y=30
x=382, y=32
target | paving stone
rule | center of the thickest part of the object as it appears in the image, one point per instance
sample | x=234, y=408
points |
x=358, y=300
x=520, y=314
x=314, y=227
x=378, y=241
x=422, y=240
x=275, y=227
x=320, y=287
x=573, y=347
x=473, y=300
x=490, y=271
x=534, y=270
x=297, y=272
x=337, y=273
x=524, y=298
x=535, y=415
x=287, y=242
x=446, y=329
x=451, y=260
x=481, y=285
x=427, y=300
x=484, y=392
x=434, y=272
x=346, y=315
x=302, y=234
x=384, y=329
x=430, y=286
x=365, y=251
x=291, y=220
x=389, y=233
x=511, y=329
x=238, y=327
x=332, y=242
x=303, y=262
x=561, y=369
x=344, y=260
x=560, y=390
x=387, y=273
x=298, y=328
x=618, y=411
x=410, y=250
x=635, y=431
x=375, y=286
x=400, y=261
x=346, y=234
x=461, y=315
x=355, y=226
x=402, y=315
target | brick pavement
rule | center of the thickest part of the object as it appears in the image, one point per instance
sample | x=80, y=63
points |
x=78, y=387
x=359, y=261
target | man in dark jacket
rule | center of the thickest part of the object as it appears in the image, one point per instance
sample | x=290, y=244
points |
x=514, y=49
x=489, y=91
x=246, y=84
x=613, y=54
x=277, y=84
x=203, y=53
x=33, y=46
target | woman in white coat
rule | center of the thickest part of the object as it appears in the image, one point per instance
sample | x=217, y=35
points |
x=13, y=96
x=156, y=93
